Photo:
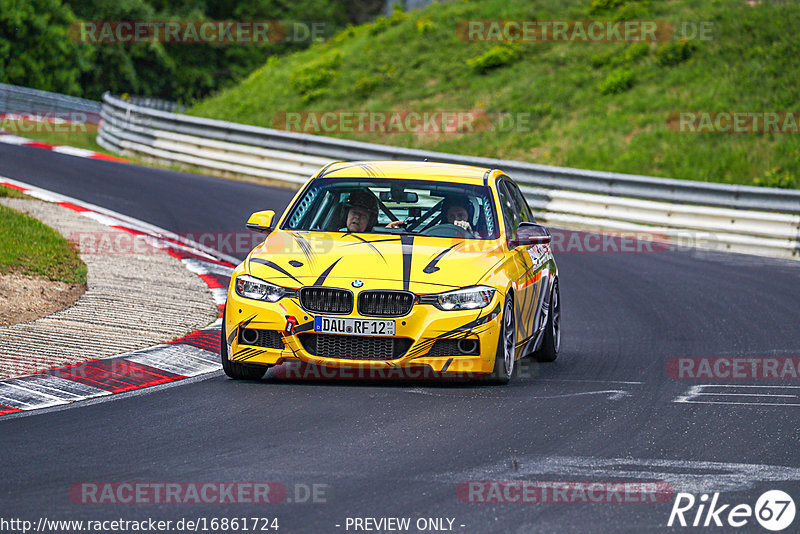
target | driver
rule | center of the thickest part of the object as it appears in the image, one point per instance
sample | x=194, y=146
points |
x=458, y=210
x=362, y=211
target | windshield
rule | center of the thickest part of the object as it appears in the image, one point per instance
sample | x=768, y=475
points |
x=438, y=209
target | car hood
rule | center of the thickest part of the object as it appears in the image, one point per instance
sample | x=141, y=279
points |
x=420, y=264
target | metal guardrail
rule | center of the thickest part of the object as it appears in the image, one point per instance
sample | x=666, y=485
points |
x=744, y=218
x=17, y=99
x=156, y=103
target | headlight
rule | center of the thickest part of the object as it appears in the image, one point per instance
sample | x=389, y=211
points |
x=470, y=298
x=253, y=288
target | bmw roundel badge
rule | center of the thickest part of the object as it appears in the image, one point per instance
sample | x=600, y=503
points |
x=357, y=283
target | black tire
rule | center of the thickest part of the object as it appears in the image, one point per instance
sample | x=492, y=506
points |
x=551, y=339
x=236, y=370
x=504, y=365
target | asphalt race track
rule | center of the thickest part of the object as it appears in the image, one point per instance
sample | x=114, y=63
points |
x=605, y=411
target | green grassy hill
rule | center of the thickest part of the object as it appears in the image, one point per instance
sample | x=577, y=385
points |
x=29, y=247
x=595, y=105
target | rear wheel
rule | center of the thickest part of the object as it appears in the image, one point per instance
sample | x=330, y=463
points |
x=551, y=339
x=236, y=370
x=504, y=356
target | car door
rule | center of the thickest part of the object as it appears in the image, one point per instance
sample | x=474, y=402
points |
x=525, y=290
x=539, y=256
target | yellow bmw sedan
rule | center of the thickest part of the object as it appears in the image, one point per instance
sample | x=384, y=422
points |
x=396, y=265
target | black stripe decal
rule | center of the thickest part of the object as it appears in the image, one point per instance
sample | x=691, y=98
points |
x=326, y=169
x=394, y=239
x=373, y=247
x=304, y=245
x=408, y=246
x=236, y=330
x=276, y=267
x=233, y=335
x=304, y=327
x=431, y=267
x=324, y=275
x=489, y=270
x=463, y=330
x=446, y=365
x=428, y=344
x=525, y=304
x=242, y=353
x=369, y=171
x=250, y=355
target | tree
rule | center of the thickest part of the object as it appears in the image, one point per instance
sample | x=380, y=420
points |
x=36, y=49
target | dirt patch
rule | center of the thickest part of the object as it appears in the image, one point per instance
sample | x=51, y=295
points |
x=26, y=298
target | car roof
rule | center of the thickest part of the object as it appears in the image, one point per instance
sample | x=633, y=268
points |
x=408, y=170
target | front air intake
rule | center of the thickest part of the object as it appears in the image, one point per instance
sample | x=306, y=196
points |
x=385, y=303
x=326, y=300
x=346, y=347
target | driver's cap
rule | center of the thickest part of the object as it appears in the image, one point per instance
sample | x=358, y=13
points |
x=362, y=199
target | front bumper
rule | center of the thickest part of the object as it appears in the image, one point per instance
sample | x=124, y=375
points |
x=423, y=326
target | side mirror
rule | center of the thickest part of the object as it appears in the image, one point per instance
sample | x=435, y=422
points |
x=529, y=233
x=261, y=221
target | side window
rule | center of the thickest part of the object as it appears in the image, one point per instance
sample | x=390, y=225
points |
x=510, y=210
x=524, y=210
x=302, y=210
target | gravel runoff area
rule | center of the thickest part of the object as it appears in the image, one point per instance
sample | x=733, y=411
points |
x=134, y=300
x=25, y=298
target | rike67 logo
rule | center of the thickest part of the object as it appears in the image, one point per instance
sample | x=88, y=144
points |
x=774, y=510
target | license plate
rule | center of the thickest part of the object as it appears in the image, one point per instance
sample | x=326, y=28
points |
x=357, y=327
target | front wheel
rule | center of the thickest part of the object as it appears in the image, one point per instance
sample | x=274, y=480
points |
x=236, y=370
x=504, y=357
x=551, y=339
